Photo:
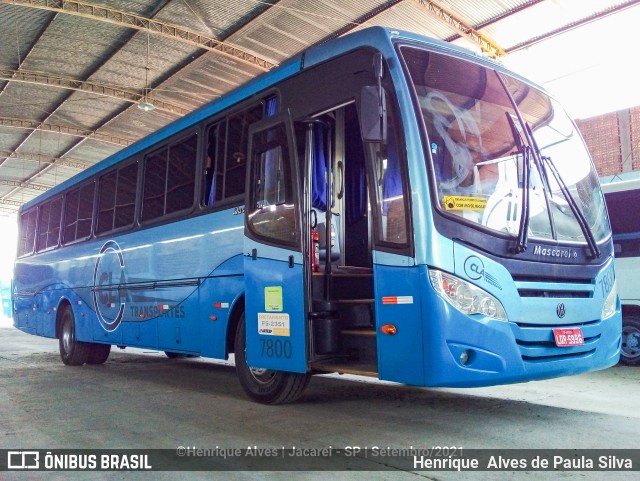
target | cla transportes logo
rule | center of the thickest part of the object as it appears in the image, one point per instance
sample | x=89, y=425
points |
x=475, y=270
x=109, y=297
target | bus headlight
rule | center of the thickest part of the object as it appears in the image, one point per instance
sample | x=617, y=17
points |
x=610, y=303
x=466, y=297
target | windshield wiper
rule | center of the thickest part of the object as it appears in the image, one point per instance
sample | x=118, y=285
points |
x=577, y=212
x=523, y=229
x=535, y=152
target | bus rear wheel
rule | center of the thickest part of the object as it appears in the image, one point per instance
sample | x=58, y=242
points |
x=630, y=353
x=72, y=351
x=266, y=386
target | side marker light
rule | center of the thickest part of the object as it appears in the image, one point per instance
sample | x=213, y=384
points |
x=389, y=329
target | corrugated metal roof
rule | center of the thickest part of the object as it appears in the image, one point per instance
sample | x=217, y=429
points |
x=70, y=80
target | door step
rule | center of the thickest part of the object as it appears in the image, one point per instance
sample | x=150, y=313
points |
x=340, y=368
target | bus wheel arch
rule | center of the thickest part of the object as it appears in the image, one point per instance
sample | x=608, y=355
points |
x=264, y=385
x=630, y=351
x=63, y=304
x=237, y=312
x=72, y=351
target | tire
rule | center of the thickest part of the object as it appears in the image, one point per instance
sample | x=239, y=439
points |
x=630, y=352
x=264, y=385
x=98, y=353
x=72, y=351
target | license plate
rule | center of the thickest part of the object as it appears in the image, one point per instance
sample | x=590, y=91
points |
x=567, y=337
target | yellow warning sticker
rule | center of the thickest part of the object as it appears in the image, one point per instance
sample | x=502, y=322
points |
x=459, y=202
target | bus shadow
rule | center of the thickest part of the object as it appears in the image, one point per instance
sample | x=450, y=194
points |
x=330, y=391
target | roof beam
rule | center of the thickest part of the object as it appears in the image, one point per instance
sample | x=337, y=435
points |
x=13, y=203
x=158, y=6
x=64, y=129
x=131, y=20
x=22, y=58
x=360, y=20
x=438, y=12
x=24, y=185
x=103, y=90
x=58, y=9
x=45, y=159
x=572, y=25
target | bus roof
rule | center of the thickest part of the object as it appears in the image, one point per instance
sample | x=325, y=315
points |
x=380, y=38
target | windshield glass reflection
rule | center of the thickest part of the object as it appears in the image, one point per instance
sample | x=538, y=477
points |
x=486, y=155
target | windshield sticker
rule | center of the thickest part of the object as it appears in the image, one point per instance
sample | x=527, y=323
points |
x=459, y=202
x=474, y=269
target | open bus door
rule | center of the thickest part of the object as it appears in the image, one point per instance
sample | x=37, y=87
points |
x=275, y=327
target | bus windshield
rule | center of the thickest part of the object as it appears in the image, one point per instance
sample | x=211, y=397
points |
x=502, y=150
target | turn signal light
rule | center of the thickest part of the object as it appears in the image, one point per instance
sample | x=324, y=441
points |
x=389, y=329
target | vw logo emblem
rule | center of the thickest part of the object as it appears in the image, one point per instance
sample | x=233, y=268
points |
x=561, y=310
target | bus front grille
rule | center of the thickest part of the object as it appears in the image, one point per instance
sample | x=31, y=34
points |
x=536, y=342
x=530, y=286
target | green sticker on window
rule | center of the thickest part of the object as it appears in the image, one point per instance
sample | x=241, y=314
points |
x=273, y=299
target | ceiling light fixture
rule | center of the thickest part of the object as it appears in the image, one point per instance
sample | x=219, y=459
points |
x=146, y=105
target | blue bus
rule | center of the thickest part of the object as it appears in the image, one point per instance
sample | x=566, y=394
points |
x=383, y=204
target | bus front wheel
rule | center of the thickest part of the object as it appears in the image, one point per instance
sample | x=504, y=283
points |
x=72, y=351
x=265, y=385
x=630, y=353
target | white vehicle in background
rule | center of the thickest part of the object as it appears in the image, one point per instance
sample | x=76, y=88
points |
x=623, y=202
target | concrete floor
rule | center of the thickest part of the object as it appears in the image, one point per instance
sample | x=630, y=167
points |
x=141, y=399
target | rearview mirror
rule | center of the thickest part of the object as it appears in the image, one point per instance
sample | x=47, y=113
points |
x=373, y=114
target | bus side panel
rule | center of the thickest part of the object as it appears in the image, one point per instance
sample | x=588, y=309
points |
x=22, y=313
x=27, y=296
x=400, y=356
x=47, y=302
x=275, y=322
x=142, y=333
x=448, y=333
x=179, y=326
x=218, y=296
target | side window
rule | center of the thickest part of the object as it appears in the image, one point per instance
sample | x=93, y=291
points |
x=78, y=211
x=71, y=202
x=85, y=211
x=27, y=232
x=155, y=180
x=50, y=215
x=214, y=163
x=226, y=163
x=181, y=175
x=106, y=201
x=169, y=179
x=116, y=200
x=271, y=209
x=126, y=196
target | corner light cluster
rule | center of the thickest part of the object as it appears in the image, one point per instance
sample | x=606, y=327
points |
x=466, y=297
